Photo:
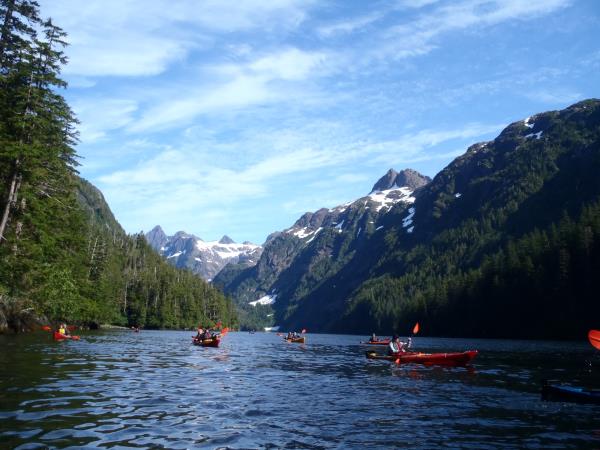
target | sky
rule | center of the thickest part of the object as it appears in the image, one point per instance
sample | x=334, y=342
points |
x=235, y=117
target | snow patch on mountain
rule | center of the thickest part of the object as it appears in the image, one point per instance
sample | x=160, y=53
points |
x=389, y=197
x=536, y=135
x=264, y=300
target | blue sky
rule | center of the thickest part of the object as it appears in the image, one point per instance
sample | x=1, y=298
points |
x=235, y=117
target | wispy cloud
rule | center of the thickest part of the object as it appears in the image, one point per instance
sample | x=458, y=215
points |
x=143, y=37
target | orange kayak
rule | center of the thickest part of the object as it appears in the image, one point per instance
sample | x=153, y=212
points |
x=429, y=359
x=61, y=337
x=299, y=340
x=211, y=342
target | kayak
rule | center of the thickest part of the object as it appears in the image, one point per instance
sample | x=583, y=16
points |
x=210, y=342
x=299, y=340
x=379, y=342
x=594, y=337
x=428, y=359
x=61, y=337
x=559, y=393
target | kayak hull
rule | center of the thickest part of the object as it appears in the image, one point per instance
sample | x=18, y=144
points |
x=428, y=359
x=559, y=393
x=212, y=342
x=300, y=340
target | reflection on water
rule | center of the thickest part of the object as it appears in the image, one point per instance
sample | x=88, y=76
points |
x=154, y=389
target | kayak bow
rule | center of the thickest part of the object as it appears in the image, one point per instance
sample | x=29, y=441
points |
x=560, y=393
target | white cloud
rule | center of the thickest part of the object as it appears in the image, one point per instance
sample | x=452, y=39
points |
x=98, y=116
x=239, y=86
x=419, y=36
x=143, y=37
x=558, y=96
x=349, y=26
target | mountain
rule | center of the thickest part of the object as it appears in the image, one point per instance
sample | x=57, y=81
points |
x=503, y=242
x=206, y=259
x=298, y=257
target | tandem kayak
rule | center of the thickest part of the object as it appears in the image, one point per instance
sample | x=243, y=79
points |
x=560, y=393
x=210, y=342
x=61, y=337
x=299, y=340
x=428, y=359
x=379, y=342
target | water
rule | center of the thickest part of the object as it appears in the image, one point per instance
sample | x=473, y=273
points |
x=153, y=389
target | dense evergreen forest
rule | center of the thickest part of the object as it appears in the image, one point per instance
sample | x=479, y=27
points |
x=63, y=256
x=506, y=243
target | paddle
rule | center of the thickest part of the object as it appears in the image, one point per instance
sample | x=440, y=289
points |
x=46, y=328
x=303, y=331
x=594, y=338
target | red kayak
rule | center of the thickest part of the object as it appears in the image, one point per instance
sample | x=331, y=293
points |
x=379, y=342
x=428, y=359
x=61, y=337
x=210, y=342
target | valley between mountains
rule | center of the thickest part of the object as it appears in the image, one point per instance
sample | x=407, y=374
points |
x=493, y=246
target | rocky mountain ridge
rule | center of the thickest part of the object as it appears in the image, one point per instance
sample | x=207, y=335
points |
x=184, y=250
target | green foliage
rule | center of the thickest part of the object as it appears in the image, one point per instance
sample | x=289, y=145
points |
x=61, y=250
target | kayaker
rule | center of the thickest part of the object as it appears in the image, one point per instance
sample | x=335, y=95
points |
x=397, y=346
x=374, y=338
x=200, y=332
x=62, y=329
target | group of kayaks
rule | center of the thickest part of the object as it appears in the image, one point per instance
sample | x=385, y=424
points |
x=551, y=392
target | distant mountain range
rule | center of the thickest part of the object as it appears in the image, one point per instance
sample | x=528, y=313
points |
x=497, y=244
x=206, y=259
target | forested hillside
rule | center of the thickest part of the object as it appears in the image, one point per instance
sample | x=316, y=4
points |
x=502, y=243
x=63, y=256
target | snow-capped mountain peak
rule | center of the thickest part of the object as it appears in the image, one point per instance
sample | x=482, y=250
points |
x=205, y=258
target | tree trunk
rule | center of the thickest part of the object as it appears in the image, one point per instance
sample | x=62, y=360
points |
x=12, y=195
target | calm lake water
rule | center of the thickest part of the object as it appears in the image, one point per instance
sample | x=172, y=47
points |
x=119, y=389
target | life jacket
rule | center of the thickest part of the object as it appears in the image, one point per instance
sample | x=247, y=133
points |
x=62, y=331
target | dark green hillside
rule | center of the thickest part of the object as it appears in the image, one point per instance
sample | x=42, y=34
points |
x=526, y=199
x=515, y=254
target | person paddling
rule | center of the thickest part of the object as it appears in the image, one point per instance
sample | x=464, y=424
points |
x=62, y=329
x=397, y=346
x=374, y=338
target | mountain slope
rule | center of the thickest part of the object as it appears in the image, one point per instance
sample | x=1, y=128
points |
x=206, y=259
x=317, y=245
x=444, y=258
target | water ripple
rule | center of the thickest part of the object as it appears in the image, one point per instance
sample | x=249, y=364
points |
x=155, y=390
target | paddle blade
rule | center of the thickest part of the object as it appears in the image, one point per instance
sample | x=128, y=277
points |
x=75, y=338
x=594, y=338
x=397, y=361
x=303, y=330
x=416, y=328
x=224, y=331
x=46, y=328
